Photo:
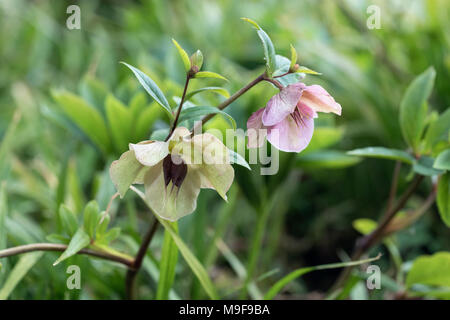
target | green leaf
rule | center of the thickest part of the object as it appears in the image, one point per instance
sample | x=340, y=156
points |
x=120, y=122
x=209, y=74
x=3, y=213
x=196, y=267
x=7, y=143
x=281, y=65
x=293, y=58
x=196, y=113
x=91, y=218
x=86, y=117
x=159, y=134
x=103, y=226
x=383, y=153
x=364, y=226
x=413, y=107
x=219, y=90
x=169, y=257
x=124, y=171
x=443, y=160
x=443, y=198
x=111, y=235
x=303, y=69
x=424, y=166
x=184, y=56
x=438, y=131
x=269, y=50
x=25, y=263
x=431, y=270
x=152, y=89
x=68, y=220
x=326, y=159
x=79, y=241
x=278, y=286
x=236, y=158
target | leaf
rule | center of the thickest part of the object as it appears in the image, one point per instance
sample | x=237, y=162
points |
x=443, y=160
x=86, y=117
x=413, y=107
x=159, y=134
x=111, y=235
x=184, y=56
x=269, y=50
x=431, y=270
x=293, y=57
x=151, y=87
x=7, y=143
x=169, y=257
x=303, y=69
x=329, y=159
x=364, y=226
x=25, y=263
x=120, y=122
x=438, y=130
x=91, y=218
x=195, y=113
x=280, y=284
x=209, y=74
x=68, y=220
x=236, y=158
x=443, y=198
x=3, y=213
x=424, y=166
x=79, y=241
x=282, y=65
x=219, y=90
x=383, y=153
x=196, y=267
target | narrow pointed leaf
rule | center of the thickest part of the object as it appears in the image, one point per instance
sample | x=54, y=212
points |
x=383, y=153
x=293, y=57
x=169, y=257
x=278, y=286
x=196, y=113
x=223, y=92
x=443, y=198
x=443, y=160
x=78, y=242
x=184, y=56
x=151, y=87
x=209, y=74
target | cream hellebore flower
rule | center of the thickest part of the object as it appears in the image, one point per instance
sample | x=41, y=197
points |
x=173, y=172
x=288, y=118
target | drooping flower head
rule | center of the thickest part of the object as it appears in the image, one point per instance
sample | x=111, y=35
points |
x=173, y=172
x=288, y=118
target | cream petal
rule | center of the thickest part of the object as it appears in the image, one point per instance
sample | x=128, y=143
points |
x=149, y=152
x=171, y=203
x=318, y=99
x=126, y=171
x=282, y=104
x=218, y=177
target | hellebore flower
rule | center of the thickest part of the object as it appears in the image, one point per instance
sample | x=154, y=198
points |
x=173, y=172
x=288, y=118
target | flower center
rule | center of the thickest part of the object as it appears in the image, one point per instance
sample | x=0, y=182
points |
x=298, y=117
x=174, y=169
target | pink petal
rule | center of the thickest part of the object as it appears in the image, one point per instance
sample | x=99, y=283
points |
x=291, y=135
x=318, y=99
x=256, y=131
x=282, y=104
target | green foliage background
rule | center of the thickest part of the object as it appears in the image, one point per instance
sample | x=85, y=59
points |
x=47, y=159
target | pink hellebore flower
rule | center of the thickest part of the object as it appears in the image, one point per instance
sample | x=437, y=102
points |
x=288, y=118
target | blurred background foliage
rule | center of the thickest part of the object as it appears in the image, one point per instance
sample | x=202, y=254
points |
x=47, y=159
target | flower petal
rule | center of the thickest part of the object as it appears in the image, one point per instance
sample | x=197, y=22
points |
x=126, y=171
x=149, y=152
x=256, y=131
x=171, y=203
x=318, y=99
x=179, y=133
x=218, y=177
x=282, y=104
x=291, y=135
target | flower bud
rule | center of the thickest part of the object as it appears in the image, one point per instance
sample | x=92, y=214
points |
x=197, y=60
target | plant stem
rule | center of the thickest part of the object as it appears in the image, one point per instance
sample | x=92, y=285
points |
x=231, y=99
x=62, y=247
x=175, y=122
x=394, y=185
x=255, y=248
x=137, y=263
x=365, y=243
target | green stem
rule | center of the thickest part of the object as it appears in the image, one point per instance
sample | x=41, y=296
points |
x=255, y=249
x=175, y=122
